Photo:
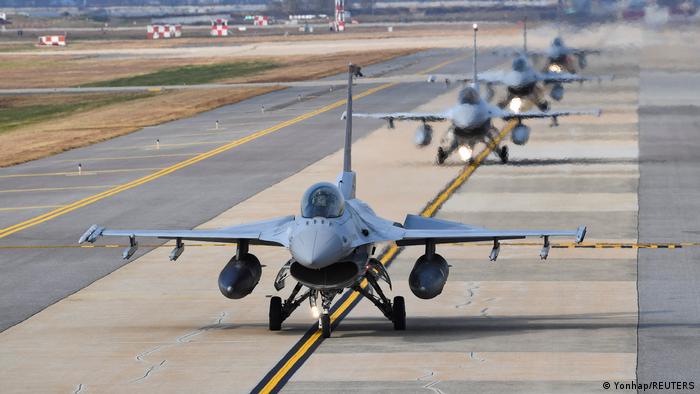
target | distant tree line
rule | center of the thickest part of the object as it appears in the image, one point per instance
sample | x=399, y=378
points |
x=302, y=6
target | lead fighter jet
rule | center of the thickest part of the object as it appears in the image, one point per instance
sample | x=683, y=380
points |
x=332, y=242
x=470, y=122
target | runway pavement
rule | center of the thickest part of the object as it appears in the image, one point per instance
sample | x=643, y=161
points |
x=565, y=325
x=669, y=208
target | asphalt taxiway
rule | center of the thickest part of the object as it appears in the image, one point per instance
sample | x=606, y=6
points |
x=192, y=173
x=565, y=325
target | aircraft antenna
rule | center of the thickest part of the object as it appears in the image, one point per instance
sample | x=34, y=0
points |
x=476, y=81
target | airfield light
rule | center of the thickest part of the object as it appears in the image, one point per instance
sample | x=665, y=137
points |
x=475, y=26
x=465, y=153
x=515, y=104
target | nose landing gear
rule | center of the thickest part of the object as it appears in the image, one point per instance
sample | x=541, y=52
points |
x=324, y=321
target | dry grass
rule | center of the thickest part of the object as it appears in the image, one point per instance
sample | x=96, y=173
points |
x=26, y=71
x=87, y=127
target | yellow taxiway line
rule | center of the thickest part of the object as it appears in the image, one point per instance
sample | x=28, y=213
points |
x=196, y=159
x=52, y=189
x=28, y=208
x=76, y=173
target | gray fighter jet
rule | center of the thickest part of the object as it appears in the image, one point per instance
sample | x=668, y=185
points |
x=332, y=242
x=471, y=122
x=561, y=58
x=522, y=81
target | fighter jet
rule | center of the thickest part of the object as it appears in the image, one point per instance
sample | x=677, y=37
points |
x=471, y=122
x=522, y=81
x=332, y=241
x=560, y=58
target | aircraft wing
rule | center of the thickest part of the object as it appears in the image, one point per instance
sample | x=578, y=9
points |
x=507, y=115
x=585, y=52
x=268, y=232
x=421, y=230
x=496, y=77
x=550, y=77
x=513, y=52
x=391, y=116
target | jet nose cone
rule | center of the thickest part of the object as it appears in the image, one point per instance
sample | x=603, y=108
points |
x=462, y=117
x=316, y=247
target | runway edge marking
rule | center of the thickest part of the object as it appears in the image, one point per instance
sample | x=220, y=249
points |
x=200, y=157
x=280, y=374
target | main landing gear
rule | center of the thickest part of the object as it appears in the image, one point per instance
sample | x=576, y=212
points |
x=395, y=311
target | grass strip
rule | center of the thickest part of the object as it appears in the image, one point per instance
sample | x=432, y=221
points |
x=190, y=74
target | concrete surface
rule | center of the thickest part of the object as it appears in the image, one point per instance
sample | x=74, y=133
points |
x=669, y=209
x=518, y=325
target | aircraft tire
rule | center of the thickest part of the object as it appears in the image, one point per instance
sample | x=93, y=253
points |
x=326, y=325
x=503, y=154
x=399, y=313
x=275, y=313
x=441, y=156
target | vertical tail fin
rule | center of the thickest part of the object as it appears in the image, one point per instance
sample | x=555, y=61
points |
x=475, y=77
x=525, y=36
x=346, y=181
x=353, y=71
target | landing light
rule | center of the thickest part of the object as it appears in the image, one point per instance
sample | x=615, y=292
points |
x=465, y=153
x=315, y=312
x=554, y=68
x=515, y=104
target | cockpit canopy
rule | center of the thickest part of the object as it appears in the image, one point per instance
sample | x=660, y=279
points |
x=469, y=95
x=519, y=64
x=558, y=42
x=322, y=200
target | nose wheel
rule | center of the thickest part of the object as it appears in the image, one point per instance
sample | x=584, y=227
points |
x=324, y=324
